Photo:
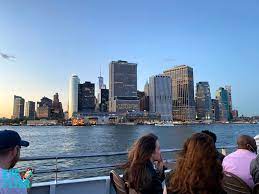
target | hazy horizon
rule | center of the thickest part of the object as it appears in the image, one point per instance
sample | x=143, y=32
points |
x=52, y=40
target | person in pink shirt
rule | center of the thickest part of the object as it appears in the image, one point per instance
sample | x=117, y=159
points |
x=238, y=162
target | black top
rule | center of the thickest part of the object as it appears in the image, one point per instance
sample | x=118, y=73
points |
x=220, y=157
x=155, y=186
x=254, y=169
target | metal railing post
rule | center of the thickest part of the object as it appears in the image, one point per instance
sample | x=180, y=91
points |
x=56, y=175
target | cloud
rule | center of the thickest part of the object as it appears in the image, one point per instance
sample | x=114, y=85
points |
x=7, y=57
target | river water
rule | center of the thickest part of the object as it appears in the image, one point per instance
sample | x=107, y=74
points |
x=62, y=140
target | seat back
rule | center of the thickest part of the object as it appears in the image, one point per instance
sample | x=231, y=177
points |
x=118, y=183
x=256, y=189
x=234, y=185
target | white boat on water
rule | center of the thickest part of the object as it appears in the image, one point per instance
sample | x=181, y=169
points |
x=169, y=124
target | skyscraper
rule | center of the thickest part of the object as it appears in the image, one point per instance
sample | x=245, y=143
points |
x=86, y=97
x=103, y=106
x=229, y=91
x=30, y=110
x=57, y=110
x=73, y=95
x=160, y=96
x=143, y=101
x=101, y=86
x=18, y=108
x=182, y=92
x=222, y=97
x=215, y=109
x=203, y=101
x=146, y=89
x=123, y=87
x=44, y=108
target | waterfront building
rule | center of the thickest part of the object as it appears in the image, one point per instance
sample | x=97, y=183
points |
x=146, y=89
x=73, y=95
x=235, y=114
x=123, y=87
x=183, y=104
x=86, y=97
x=215, y=109
x=160, y=96
x=229, y=91
x=222, y=97
x=142, y=117
x=57, y=110
x=30, y=110
x=66, y=117
x=124, y=104
x=203, y=101
x=101, y=86
x=103, y=106
x=18, y=107
x=143, y=101
x=44, y=108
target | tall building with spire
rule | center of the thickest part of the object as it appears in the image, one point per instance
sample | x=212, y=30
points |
x=101, y=86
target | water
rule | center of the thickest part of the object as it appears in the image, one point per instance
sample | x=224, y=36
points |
x=61, y=140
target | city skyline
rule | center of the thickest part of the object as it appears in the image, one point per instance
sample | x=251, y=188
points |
x=53, y=40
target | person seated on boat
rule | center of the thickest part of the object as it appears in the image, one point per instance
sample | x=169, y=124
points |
x=220, y=156
x=254, y=166
x=144, y=171
x=10, y=178
x=238, y=162
x=197, y=170
x=254, y=169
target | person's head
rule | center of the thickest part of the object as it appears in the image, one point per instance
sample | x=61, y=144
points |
x=197, y=168
x=145, y=149
x=211, y=134
x=246, y=142
x=10, y=145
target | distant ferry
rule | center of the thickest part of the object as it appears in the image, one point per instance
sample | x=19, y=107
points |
x=166, y=124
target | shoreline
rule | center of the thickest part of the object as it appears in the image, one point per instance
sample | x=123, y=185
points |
x=134, y=124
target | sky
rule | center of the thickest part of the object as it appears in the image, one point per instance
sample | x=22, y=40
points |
x=52, y=40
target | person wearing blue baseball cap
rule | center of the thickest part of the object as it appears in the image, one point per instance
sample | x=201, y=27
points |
x=10, y=180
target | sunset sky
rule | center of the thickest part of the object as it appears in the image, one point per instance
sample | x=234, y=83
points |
x=52, y=40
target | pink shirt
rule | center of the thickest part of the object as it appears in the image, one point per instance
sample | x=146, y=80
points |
x=238, y=163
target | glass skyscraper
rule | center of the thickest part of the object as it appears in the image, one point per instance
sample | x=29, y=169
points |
x=203, y=101
x=182, y=92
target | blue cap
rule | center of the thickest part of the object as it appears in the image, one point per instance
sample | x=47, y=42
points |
x=9, y=139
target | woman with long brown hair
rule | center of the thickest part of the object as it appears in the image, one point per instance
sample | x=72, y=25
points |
x=140, y=173
x=197, y=169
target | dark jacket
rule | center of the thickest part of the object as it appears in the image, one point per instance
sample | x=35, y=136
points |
x=220, y=157
x=155, y=186
x=254, y=169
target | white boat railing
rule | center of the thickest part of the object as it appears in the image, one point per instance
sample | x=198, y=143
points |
x=57, y=170
x=93, y=185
